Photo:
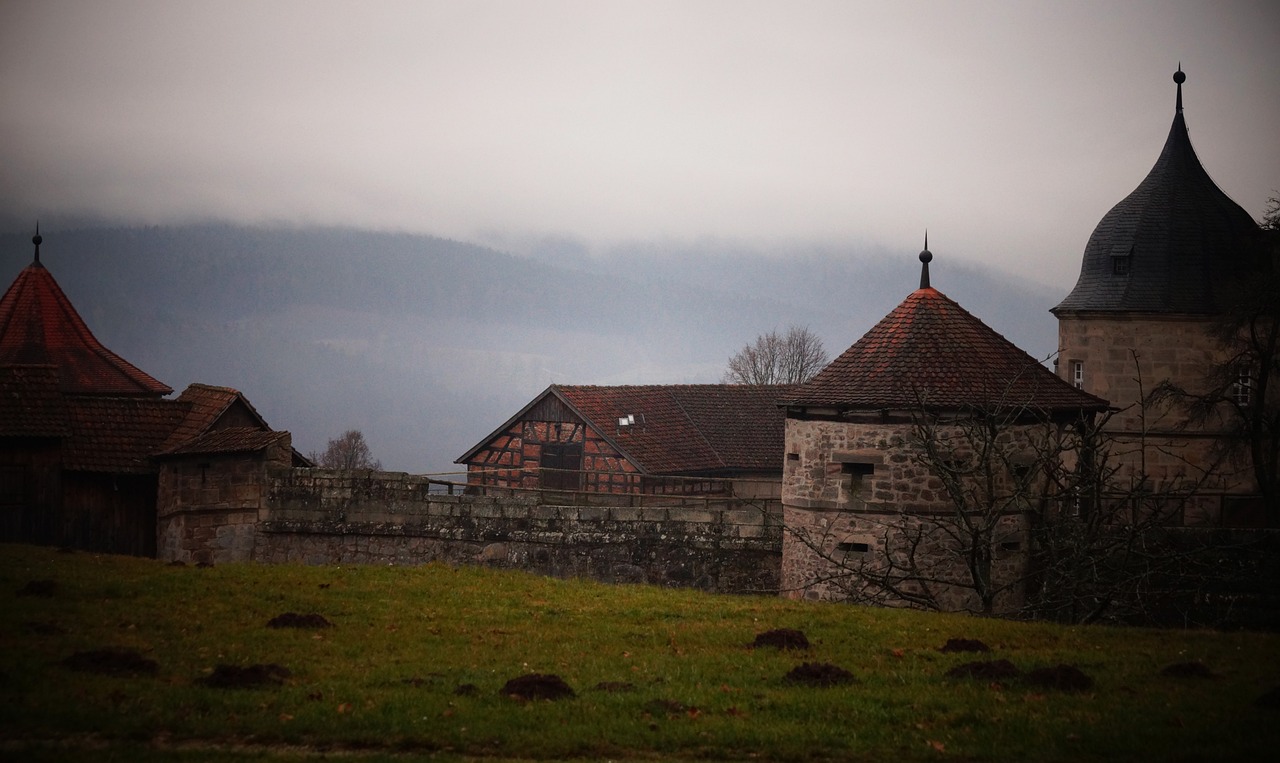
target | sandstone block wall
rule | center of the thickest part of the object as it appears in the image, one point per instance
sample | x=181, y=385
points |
x=208, y=506
x=1124, y=358
x=855, y=497
x=318, y=516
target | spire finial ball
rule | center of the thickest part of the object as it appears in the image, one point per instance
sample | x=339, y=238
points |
x=37, y=239
x=1179, y=77
x=926, y=256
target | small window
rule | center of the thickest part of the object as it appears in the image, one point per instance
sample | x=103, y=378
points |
x=857, y=470
x=793, y=456
x=850, y=548
x=1242, y=390
x=1120, y=265
x=1077, y=373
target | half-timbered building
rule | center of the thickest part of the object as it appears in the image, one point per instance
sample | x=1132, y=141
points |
x=638, y=439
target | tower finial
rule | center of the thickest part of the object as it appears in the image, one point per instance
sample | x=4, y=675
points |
x=36, y=239
x=1179, y=78
x=925, y=257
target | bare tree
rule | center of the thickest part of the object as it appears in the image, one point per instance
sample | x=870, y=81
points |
x=347, y=451
x=790, y=358
x=1038, y=518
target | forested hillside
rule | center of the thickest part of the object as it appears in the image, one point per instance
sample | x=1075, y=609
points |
x=428, y=344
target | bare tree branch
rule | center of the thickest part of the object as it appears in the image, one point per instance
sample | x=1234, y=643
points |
x=791, y=358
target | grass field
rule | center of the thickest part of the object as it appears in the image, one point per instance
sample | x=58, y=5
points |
x=416, y=659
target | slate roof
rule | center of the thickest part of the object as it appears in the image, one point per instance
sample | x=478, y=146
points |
x=680, y=428
x=1184, y=238
x=930, y=352
x=38, y=326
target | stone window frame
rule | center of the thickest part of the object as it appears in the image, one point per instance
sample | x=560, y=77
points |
x=1242, y=387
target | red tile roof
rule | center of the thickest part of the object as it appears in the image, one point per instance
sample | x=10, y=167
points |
x=31, y=405
x=229, y=440
x=930, y=351
x=117, y=435
x=204, y=403
x=681, y=428
x=38, y=325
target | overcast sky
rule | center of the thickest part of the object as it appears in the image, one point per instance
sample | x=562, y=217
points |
x=1006, y=129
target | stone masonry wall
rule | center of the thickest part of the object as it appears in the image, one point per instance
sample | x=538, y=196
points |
x=318, y=516
x=854, y=497
x=1124, y=358
x=208, y=506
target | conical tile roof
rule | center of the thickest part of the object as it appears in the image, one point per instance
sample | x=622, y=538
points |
x=1172, y=245
x=930, y=352
x=38, y=326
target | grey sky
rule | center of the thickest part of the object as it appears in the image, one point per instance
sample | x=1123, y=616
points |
x=1007, y=129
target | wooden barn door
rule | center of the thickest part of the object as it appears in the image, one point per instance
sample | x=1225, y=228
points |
x=561, y=466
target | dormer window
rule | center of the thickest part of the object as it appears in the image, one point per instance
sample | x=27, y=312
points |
x=1121, y=259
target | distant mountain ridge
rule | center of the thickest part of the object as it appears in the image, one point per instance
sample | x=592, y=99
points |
x=426, y=344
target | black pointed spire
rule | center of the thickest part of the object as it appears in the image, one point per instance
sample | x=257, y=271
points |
x=1179, y=78
x=925, y=257
x=36, y=239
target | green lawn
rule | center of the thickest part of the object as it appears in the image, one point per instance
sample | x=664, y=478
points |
x=383, y=682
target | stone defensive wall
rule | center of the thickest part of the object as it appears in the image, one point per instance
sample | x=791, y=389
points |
x=321, y=516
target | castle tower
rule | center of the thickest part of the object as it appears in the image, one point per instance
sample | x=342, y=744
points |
x=39, y=326
x=858, y=492
x=1156, y=276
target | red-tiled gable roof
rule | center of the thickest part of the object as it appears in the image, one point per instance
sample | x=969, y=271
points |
x=681, y=429
x=931, y=351
x=38, y=325
x=204, y=404
x=230, y=440
x=31, y=404
x=117, y=434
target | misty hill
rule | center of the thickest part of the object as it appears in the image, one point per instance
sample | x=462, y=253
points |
x=428, y=344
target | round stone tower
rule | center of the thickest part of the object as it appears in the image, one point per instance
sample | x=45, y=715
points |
x=1157, y=275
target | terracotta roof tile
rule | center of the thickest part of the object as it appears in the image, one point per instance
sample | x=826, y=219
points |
x=693, y=428
x=204, y=403
x=38, y=325
x=31, y=405
x=930, y=351
x=230, y=440
x=117, y=434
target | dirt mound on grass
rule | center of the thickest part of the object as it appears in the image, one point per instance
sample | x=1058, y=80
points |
x=1193, y=669
x=112, y=662
x=45, y=589
x=1061, y=678
x=246, y=676
x=781, y=638
x=963, y=645
x=538, y=686
x=986, y=670
x=819, y=674
x=295, y=620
